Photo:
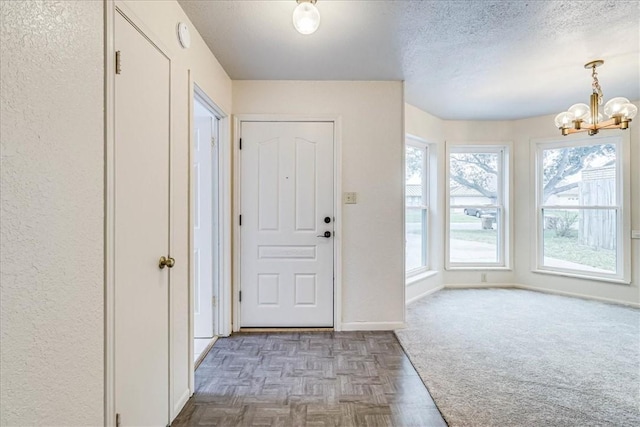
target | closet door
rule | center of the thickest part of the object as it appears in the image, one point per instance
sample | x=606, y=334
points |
x=141, y=229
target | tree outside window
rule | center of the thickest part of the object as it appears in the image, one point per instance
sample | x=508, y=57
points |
x=579, y=207
x=478, y=179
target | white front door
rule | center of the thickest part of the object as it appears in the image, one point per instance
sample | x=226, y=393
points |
x=203, y=229
x=287, y=207
x=141, y=230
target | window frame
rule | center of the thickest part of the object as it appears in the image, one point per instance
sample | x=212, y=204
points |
x=502, y=205
x=623, y=220
x=421, y=144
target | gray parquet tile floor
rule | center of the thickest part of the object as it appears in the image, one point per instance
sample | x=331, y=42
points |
x=309, y=379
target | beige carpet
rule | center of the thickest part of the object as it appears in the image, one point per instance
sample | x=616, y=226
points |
x=508, y=357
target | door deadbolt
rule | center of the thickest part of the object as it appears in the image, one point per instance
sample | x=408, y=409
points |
x=327, y=219
x=166, y=262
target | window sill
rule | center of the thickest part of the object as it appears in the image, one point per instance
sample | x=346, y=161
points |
x=582, y=276
x=478, y=268
x=410, y=280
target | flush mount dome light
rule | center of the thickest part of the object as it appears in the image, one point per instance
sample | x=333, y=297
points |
x=306, y=17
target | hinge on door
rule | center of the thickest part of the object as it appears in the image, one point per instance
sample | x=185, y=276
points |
x=213, y=141
x=213, y=301
x=117, y=420
x=241, y=143
x=240, y=296
x=118, y=64
x=240, y=220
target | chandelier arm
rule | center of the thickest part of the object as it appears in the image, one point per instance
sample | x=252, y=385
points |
x=569, y=131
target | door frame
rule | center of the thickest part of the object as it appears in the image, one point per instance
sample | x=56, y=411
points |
x=337, y=207
x=222, y=325
x=199, y=95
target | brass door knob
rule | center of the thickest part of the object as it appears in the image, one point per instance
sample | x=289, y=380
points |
x=166, y=262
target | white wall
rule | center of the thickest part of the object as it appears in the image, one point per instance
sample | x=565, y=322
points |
x=521, y=132
x=480, y=131
x=437, y=132
x=159, y=19
x=431, y=129
x=372, y=157
x=51, y=245
x=543, y=127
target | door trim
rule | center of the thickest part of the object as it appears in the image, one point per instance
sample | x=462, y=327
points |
x=109, y=214
x=337, y=203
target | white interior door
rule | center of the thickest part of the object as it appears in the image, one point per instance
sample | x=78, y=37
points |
x=287, y=207
x=203, y=220
x=141, y=230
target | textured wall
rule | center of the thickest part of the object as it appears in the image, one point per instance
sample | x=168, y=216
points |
x=51, y=249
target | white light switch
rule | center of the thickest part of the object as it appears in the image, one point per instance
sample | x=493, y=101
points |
x=635, y=234
x=350, y=198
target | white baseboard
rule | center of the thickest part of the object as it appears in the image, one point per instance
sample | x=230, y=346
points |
x=181, y=402
x=575, y=295
x=387, y=326
x=373, y=326
x=534, y=288
x=205, y=352
x=480, y=285
x=424, y=294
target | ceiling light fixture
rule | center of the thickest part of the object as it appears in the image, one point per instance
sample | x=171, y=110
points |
x=306, y=17
x=582, y=118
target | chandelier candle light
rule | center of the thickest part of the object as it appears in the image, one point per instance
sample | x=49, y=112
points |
x=582, y=118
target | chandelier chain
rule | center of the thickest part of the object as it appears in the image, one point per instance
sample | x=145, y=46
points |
x=596, y=85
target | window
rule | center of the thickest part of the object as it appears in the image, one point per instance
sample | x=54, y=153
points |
x=477, y=214
x=580, y=207
x=416, y=206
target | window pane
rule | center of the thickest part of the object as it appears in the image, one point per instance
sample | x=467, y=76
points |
x=414, y=179
x=579, y=176
x=473, y=236
x=415, y=238
x=473, y=178
x=580, y=239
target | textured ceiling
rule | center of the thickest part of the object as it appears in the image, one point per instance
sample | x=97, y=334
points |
x=484, y=60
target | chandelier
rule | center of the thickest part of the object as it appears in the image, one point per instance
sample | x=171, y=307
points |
x=584, y=118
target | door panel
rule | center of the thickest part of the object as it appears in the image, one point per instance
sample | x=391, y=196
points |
x=286, y=193
x=141, y=229
x=203, y=223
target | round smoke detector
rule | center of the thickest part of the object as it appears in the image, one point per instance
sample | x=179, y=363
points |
x=184, y=37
